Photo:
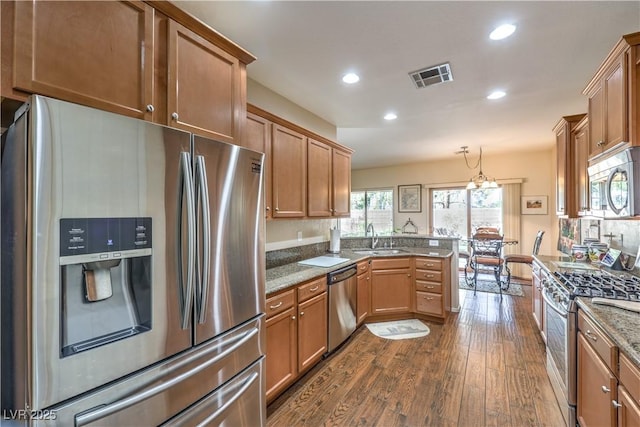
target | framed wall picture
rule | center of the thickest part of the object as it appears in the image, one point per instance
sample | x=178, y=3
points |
x=534, y=205
x=410, y=198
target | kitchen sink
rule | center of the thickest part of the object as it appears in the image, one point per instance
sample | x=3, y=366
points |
x=381, y=251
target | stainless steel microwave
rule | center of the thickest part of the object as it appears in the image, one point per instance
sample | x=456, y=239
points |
x=614, y=187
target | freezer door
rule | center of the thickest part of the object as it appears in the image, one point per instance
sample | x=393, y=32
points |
x=164, y=391
x=238, y=403
x=83, y=163
x=230, y=284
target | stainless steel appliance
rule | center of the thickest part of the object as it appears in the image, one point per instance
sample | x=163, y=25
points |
x=132, y=272
x=342, y=286
x=614, y=187
x=560, y=290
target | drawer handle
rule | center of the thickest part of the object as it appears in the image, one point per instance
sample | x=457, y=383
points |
x=600, y=143
x=273, y=307
x=429, y=276
x=429, y=287
x=429, y=298
x=314, y=289
x=590, y=335
x=605, y=389
x=616, y=404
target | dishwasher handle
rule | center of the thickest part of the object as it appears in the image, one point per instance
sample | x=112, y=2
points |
x=342, y=274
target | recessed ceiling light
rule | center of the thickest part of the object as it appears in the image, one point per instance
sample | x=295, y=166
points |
x=496, y=94
x=502, y=32
x=351, y=78
x=390, y=116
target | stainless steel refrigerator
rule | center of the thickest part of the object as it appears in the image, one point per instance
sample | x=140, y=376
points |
x=132, y=271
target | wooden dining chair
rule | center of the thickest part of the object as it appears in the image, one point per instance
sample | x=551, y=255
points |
x=522, y=259
x=486, y=251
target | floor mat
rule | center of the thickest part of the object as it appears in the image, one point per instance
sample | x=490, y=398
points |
x=399, y=329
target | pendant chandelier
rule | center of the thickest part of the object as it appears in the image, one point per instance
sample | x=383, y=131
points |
x=480, y=180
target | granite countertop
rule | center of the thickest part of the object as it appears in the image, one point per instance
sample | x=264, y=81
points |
x=621, y=326
x=289, y=275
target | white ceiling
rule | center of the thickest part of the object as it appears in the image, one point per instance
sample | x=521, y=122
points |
x=304, y=48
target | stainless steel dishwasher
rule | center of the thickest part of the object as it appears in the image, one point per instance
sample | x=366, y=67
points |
x=342, y=305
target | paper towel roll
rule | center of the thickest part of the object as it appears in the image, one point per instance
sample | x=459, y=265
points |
x=334, y=244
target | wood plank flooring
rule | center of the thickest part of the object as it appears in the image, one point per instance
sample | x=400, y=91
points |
x=484, y=366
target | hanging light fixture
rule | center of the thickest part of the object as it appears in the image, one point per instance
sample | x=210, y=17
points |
x=480, y=180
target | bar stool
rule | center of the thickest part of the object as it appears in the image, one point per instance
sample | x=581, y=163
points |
x=521, y=258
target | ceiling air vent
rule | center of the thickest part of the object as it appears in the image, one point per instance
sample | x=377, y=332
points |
x=432, y=75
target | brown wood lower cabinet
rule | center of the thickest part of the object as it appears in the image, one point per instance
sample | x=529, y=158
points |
x=536, y=298
x=296, y=330
x=390, y=286
x=363, y=284
x=431, y=278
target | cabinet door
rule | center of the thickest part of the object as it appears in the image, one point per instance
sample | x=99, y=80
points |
x=312, y=331
x=562, y=139
x=537, y=299
x=616, y=128
x=288, y=176
x=363, y=304
x=281, y=352
x=597, y=387
x=629, y=411
x=581, y=156
x=206, y=91
x=98, y=54
x=258, y=138
x=341, y=183
x=391, y=291
x=318, y=178
x=596, y=122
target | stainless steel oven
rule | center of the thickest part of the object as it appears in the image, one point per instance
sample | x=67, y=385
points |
x=560, y=328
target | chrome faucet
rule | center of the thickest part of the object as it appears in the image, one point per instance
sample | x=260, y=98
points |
x=374, y=237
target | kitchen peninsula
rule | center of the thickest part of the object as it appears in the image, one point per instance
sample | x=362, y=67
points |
x=410, y=280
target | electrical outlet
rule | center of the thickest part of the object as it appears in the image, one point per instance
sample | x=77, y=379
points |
x=299, y=236
x=433, y=243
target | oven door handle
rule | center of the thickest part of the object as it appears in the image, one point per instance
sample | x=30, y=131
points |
x=551, y=304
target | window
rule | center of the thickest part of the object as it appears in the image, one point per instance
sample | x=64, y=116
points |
x=369, y=207
x=452, y=215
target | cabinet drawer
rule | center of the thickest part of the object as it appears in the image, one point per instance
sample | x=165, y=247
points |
x=363, y=266
x=435, y=288
x=429, y=303
x=311, y=289
x=429, y=263
x=630, y=377
x=431, y=276
x=390, y=263
x=600, y=343
x=280, y=303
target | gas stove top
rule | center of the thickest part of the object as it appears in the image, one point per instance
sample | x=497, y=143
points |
x=600, y=284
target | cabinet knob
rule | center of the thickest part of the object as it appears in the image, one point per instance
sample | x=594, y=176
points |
x=302, y=313
x=293, y=317
x=150, y=108
x=268, y=208
x=408, y=275
x=277, y=209
x=616, y=404
x=175, y=116
x=605, y=389
x=600, y=143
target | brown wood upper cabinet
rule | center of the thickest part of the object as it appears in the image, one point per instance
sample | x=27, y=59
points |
x=205, y=87
x=614, y=99
x=94, y=53
x=289, y=178
x=566, y=178
x=580, y=142
x=328, y=180
x=148, y=60
x=306, y=175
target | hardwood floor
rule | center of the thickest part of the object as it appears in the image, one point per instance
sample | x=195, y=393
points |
x=484, y=366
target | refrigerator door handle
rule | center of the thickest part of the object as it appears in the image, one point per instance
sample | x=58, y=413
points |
x=95, y=414
x=188, y=188
x=203, y=192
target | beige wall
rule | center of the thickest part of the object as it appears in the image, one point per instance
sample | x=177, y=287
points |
x=535, y=168
x=270, y=101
